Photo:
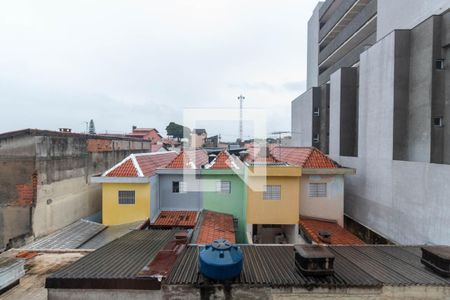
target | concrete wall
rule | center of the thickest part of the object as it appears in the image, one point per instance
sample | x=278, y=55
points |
x=401, y=200
x=302, y=117
x=154, y=197
x=405, y=14
x=313, y=48
x=343, y=112
x=330, y=207
x=191, y=200
x=97, y=294
x=247, y=292
x=44, y=178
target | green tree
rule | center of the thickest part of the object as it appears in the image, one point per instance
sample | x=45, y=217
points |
x=177, y=131
x=91, y=127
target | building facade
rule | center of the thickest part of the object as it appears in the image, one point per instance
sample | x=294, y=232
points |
x=45, y=179
x=378, y=79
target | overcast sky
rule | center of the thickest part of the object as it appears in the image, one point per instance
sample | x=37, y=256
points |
x=125, y=63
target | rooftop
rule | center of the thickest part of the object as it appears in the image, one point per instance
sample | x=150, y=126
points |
x=189, y=159
x=339, y=235
x=140, y=165
x=169, y=219
x=213, y=226
x=115, y=265
x=305, y=157
x=355, y=266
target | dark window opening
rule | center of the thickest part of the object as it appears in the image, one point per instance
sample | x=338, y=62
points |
x=438, y=122
x=440, y=64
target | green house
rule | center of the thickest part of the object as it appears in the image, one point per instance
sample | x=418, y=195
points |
x=224, y=191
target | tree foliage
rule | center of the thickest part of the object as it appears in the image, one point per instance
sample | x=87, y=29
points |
x=91, y=127
x=178, y=131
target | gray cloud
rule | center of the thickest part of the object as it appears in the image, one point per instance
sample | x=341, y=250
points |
x=142, y=62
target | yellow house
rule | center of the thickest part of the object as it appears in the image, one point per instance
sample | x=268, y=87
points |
x=129, y=186
x=273, y=194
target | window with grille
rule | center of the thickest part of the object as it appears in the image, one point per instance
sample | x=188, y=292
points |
x=223, y=187
x=127, y=197
x=317, y=189
x=273, y=192
x=179, y=187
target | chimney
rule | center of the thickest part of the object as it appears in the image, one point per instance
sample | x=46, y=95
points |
x=437, y=258
x=314, y=260
x=133, y=128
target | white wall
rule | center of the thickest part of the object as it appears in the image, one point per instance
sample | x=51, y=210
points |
x=330, y=207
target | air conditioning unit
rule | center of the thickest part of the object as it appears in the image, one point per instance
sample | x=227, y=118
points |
x=314, y=260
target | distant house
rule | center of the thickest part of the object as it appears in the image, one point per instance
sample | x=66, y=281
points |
x=129, y=188
x=198, y=137
x=212, y=141
x=151, y=134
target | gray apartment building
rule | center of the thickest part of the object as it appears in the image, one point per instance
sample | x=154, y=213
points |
x=378, y=100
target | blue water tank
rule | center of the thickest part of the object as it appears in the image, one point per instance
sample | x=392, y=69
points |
x=221, y=260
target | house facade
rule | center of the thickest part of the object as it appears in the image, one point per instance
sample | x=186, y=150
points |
x=224, y=191
x=129, y=188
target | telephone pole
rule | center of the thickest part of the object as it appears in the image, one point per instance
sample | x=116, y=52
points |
x=241, y=100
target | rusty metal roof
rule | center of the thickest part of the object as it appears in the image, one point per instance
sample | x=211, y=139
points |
x=355, y=266
x=115, y=265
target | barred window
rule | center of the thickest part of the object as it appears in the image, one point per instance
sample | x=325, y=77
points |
x=223, y=187
x=127, y=197
x=317, y=189
x=273, y=192
x=179, y=187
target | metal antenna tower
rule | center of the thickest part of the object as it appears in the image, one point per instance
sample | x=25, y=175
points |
x=241, y=100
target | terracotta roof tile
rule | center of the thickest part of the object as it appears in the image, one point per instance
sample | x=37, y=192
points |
x=176, y=219
x=126, y=169
x=147, y=162
x=222, y=161
x=188, y=159
x=215, y=226
x=339, y=235
x=306, y=157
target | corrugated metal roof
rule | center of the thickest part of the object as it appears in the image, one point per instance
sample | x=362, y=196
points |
x=355, y=266
x=69, y=237
x=116, y=264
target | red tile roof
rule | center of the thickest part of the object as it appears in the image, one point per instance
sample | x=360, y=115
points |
x=339, y=235
x=144, y=164
x=215, y=226
x=306, y=157
x=124, y=169
x=188, y=159
x=222, y=161
x=260, y=155
x=176, y=219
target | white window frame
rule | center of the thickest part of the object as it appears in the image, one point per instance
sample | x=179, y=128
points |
x=126, y=197
x=318, y=190
x=271, y=192
x=221, y=186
